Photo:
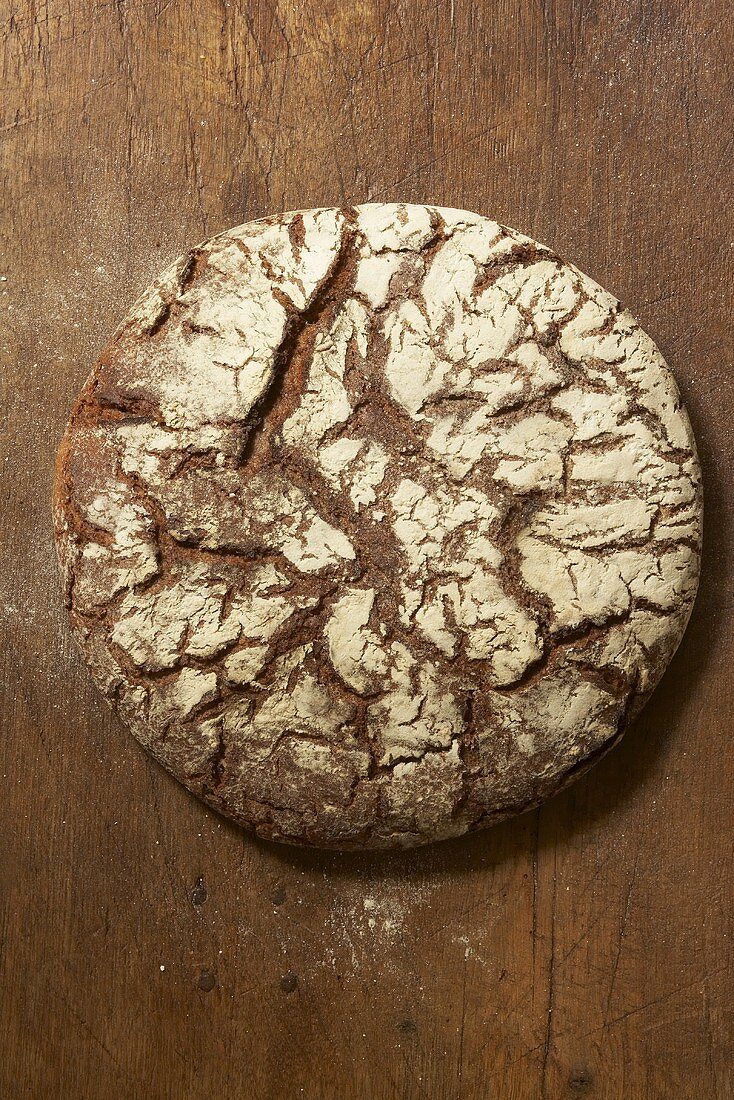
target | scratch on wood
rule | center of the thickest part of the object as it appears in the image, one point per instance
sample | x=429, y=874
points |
x=439, y=157
x=197, y=176
x=622, y=928
x=20, y=122
x=460, y=1070
x=572, y=1031
x=82, y=1023
x=534, y=931
x=551, y=991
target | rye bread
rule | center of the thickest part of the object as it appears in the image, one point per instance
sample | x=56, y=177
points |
x=377, y=525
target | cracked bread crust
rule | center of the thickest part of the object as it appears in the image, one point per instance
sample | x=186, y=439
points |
x=377, y=525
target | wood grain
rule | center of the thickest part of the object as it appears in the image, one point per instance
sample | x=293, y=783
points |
x=148, y=948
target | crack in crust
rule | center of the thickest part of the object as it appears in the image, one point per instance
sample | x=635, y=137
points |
x=377, y=524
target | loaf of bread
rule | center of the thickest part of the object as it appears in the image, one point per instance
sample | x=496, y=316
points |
x=377, y=524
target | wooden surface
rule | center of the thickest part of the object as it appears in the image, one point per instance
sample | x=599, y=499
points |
x=148, y=948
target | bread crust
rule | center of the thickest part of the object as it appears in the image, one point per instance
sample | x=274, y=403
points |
x=377, y=524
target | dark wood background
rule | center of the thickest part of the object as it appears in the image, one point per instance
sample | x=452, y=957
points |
x=151, y=950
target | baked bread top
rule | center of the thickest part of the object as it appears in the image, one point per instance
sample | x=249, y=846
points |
x=377, y=524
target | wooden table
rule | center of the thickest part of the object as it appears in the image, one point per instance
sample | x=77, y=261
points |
x=149, y=948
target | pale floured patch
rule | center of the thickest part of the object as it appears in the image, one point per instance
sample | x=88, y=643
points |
x=355, y=649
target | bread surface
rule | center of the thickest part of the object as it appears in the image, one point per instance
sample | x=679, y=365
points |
x=379, y=524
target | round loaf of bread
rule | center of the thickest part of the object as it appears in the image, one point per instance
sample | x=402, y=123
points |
x=377, y=524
